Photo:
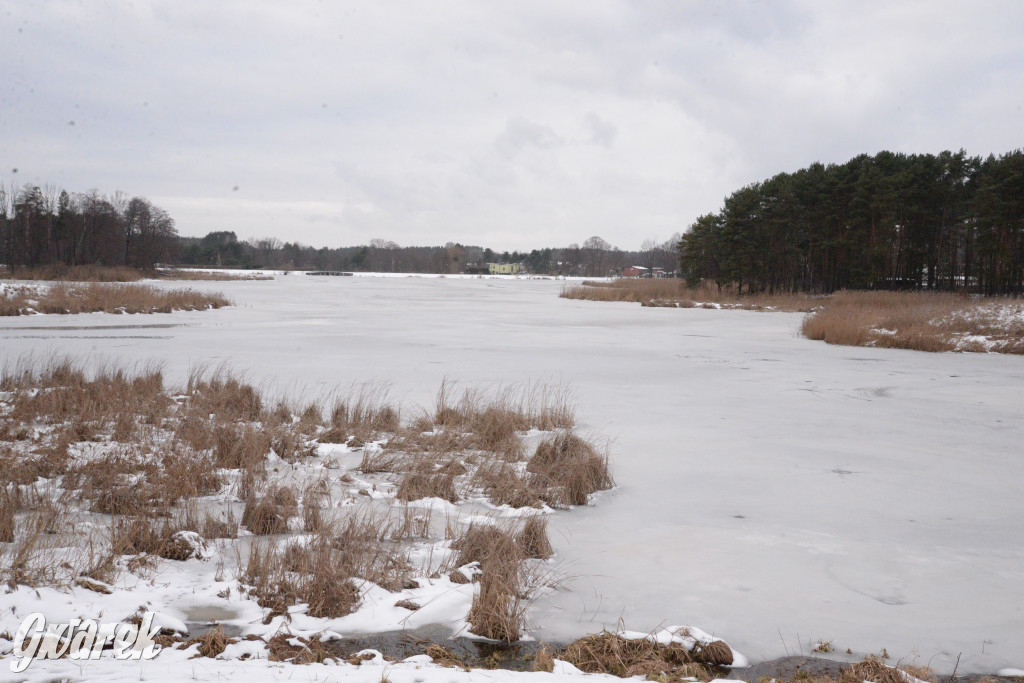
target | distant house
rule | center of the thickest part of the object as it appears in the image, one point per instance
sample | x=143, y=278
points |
x=504, y=268
x=634, y=271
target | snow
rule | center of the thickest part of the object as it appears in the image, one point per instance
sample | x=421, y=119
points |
x=175, y=666
x=774, y=491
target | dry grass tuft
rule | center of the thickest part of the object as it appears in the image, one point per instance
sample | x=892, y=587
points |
x=321, y=573
x=142, y=535
x=442, y=656
x=499, y=607
x=874, y=670
x=7, y=510
x=717, y=653
x=242, y=447
x=377, y=460
x=506, y=586
x=308, y=651
x=268, y=514
x=533, y=539
x=922, y=673
x=212, y=643
x=921, y=321
x=611, y=654
x=224, y=395
x=282, y=578
x=494, y=419
x=569, y=469
x=365, y=414
x=505, y=485
x=544, y=660
x=483, y=542
x=427, y=481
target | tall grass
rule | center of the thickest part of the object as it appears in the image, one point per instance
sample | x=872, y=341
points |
x=674, y=293
x=159, y=471
x=66, y=298
x=205, y=275
x=86, y=273
x=97, y=273
x=506, y=585
x=922, y=321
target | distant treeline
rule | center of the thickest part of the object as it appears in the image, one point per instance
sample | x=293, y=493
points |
x=45, y=226
x=889, y=221
x=593, y=258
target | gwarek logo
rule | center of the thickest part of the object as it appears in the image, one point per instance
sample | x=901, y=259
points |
x=82, y=639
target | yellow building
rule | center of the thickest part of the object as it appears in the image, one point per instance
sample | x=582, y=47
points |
x=503, y=268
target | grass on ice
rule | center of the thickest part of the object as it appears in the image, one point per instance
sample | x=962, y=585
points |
x=94, y=297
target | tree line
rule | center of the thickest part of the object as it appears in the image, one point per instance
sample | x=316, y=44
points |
x=46, y=226
x=593, y=258
x=888, y=221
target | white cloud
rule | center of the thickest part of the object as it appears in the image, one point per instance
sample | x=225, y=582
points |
x=513, y=125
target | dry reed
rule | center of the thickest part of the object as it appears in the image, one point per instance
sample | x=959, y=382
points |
x=64, y=298
x=568, y=469
x=117, y=443
x=673, y=293
x=206, y=275
x=86, y=273
x=921, y=321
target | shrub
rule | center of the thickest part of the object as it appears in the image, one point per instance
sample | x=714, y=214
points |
x=268, y=514
x=569, y=469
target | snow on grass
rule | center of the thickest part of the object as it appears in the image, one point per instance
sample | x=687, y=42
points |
x=775, y=491
x=108, y=480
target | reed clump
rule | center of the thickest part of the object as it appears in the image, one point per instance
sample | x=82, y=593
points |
x=920, y=321
x=675, y=293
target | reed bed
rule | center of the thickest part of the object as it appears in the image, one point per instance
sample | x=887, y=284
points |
x=675, y=293
x=921, y=321
x=156, y=473
x=93, y=297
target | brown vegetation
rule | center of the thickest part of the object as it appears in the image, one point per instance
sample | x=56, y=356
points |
x=610, y=653
x=59, y=272
x=322, y=573
x=674, y=293
x=268, y=514
x=568, y=469
x=211, y=643
x=506, y=584
x=114, y=446
x=63, y=298
x=533, y=539
x=205, y=275
x=922, y=321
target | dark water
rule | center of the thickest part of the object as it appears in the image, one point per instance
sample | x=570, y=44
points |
x=397, y=645
x=519, y=656
x=474, y=653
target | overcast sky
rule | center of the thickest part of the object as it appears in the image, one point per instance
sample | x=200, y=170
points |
x=505, y=124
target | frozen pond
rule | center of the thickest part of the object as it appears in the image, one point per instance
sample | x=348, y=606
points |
x=773, y=490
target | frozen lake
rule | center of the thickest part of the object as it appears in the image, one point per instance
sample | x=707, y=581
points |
x=773, y=490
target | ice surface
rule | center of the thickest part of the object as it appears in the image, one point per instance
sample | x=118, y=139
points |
x=774, y=491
